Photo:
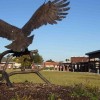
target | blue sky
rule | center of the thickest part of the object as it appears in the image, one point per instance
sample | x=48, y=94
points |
x=75, y=35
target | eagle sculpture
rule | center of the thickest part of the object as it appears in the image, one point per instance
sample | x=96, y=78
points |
x=48, y=13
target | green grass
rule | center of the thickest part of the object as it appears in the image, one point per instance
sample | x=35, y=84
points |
x=70, y=78
x=60, y=78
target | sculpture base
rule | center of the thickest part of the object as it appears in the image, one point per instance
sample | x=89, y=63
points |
x=5, y=76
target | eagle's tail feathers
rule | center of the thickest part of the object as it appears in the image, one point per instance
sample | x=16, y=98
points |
x=20, y=44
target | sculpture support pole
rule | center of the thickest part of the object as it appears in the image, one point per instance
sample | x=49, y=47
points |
x=43, y=78
x=5, y=76
x=37, y=72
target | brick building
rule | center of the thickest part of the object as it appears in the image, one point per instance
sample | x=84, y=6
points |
x=79, y=64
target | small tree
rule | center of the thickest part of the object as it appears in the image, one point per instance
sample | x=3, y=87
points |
x=37, y=59
x=66, y=60
x=26, y=61
x=50, y=60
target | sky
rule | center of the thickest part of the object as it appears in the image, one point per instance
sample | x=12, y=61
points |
x=74, y=36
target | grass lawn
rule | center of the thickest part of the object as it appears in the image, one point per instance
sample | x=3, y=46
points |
x=60, y=78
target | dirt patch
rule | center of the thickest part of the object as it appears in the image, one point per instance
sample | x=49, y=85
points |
x=30, y=91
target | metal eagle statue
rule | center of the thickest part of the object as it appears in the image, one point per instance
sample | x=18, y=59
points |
x=48, y=13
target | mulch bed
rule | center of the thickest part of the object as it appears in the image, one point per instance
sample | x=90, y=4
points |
x=37, y=92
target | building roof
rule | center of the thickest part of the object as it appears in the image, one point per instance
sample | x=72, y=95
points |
x=93, y=52
x=51, y=63
x=79, y=59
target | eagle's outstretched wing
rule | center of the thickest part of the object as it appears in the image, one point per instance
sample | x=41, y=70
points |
x=51, y=12
x=19, y=41
x=8, y=31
